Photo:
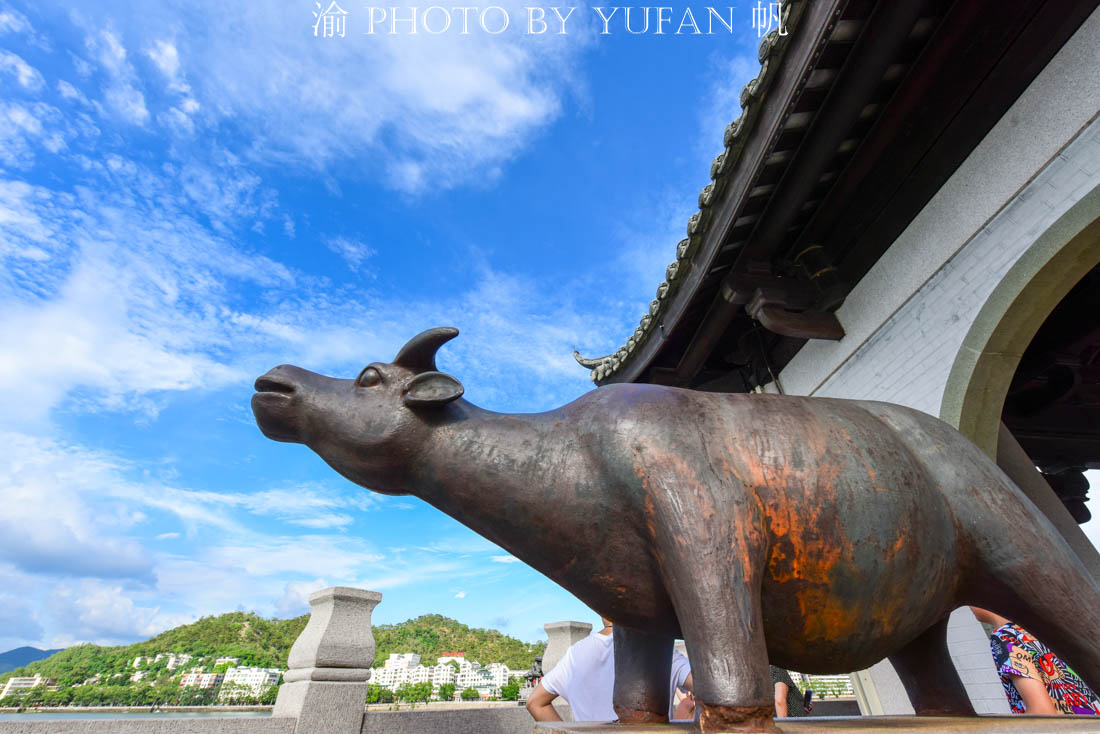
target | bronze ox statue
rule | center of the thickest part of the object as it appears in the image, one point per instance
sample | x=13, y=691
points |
x=821, y=535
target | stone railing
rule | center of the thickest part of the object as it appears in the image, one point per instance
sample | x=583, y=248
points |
x=324, y=690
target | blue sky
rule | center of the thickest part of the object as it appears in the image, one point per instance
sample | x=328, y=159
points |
x=193, y=192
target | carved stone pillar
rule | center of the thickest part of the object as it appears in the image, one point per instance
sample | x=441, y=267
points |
x=325, y=688
x=559, y=636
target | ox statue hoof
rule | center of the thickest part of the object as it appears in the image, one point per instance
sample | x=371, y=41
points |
x=634, y=716
x=722, y=719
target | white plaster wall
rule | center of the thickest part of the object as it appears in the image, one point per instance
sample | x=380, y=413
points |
x=906, y=320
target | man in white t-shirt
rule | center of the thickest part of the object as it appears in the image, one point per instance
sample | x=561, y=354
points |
x=585, y=678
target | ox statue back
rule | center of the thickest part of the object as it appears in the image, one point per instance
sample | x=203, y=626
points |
x=816, y=534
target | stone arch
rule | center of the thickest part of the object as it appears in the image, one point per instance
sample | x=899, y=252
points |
x=990, y=353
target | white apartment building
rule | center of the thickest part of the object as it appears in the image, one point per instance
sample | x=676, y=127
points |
x=402, y=660
x=420, y=674
x=443, y=674
x=20, y=686
x=402, y=668
x=256, y=680
x=396, y=671
x=499, y=673
x=227, y=661
x=202, y=680
x=458, y=657
x=174, y=661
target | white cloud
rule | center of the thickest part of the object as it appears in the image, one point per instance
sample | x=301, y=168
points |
x=460, y=595
x=105, y=613
x=122, y=94
x=19, y=621
x=166, y=58
x=13, y=22
x=352, y=251
x=29, y=78
x=68, y=91
x=152, y=330
x=167, y=536
x=504, y=559
x=424, y=112
x=49, y=528
x=24, y=129
x=295, y=600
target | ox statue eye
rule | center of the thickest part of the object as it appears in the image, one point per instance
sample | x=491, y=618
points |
x=369, y=377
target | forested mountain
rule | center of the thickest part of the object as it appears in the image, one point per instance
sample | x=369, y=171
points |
x=266, y=643
x=12, y=659
x=432, y=635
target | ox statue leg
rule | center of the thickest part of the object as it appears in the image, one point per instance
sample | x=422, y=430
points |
x=722, y=622
x=643, y=664
x=928, y=674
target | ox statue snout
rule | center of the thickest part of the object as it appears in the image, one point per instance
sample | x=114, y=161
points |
x=274, y=403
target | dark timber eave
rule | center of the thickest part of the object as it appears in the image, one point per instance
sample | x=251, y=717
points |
x=868, y=107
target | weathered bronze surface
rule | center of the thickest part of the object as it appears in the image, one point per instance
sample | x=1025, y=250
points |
x=815, y=534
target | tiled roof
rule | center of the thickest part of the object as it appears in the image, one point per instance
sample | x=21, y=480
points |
x=737, y=132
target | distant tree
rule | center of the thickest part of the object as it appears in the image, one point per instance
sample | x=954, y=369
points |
x=379, y=694
x=447, y=691
x=268, y=695
x=35, y=696
x=454, y=664
x=422, y=692
x=470, y=694
x=510, y=691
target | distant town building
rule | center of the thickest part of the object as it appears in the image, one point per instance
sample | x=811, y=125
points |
x=139, y=675
x=452, y=668
x=201, y=680
x=174, y=661
x=20, y=686
x=227, y=661
x=443, y=674
x=253, y=681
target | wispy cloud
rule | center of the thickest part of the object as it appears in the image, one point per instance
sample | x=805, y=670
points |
x=105, y=613
x=352, y=251
x=28, y=77
x=12, y=21
x=434, y=111
x=122, y=93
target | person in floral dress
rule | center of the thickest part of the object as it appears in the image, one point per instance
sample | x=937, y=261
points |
x=1035, y=680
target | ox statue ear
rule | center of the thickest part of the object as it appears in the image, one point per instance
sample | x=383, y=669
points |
x=432, y=389
x=419, y=353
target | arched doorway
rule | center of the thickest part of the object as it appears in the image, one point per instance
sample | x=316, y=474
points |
x=1030, y=359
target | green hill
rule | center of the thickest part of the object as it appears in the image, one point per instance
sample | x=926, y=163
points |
x=432, y=635
x=266, y=643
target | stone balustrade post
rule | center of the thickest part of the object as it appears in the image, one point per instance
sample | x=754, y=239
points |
x=325, y=688
x=559, y=637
